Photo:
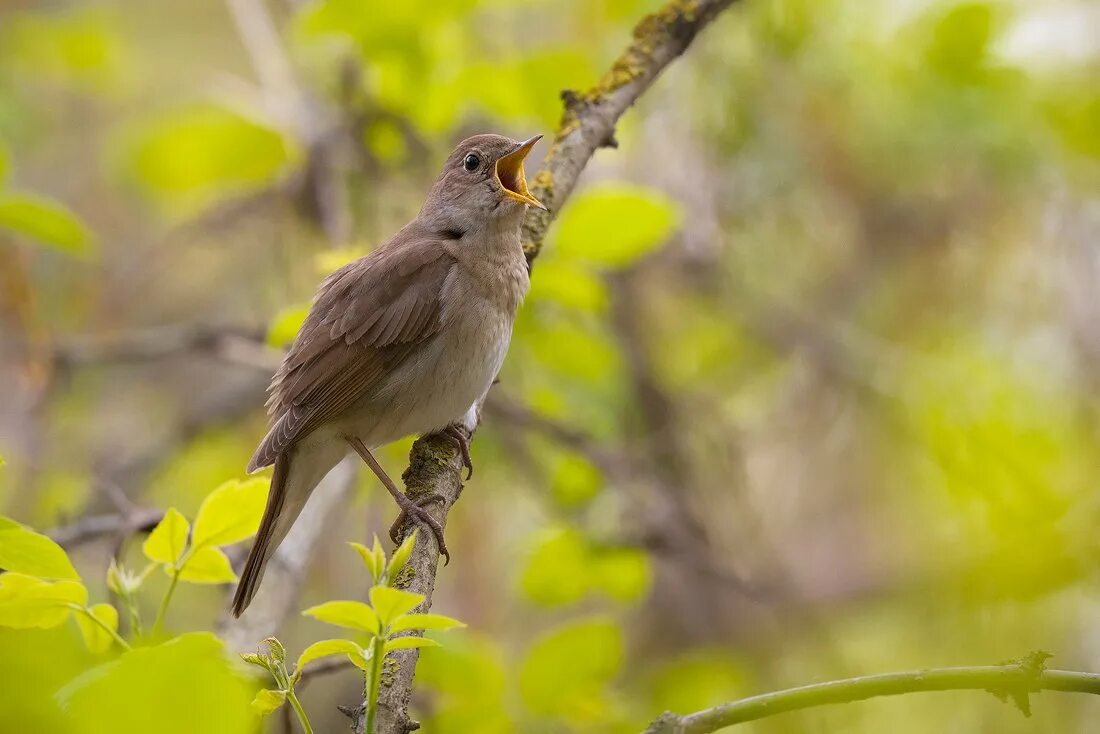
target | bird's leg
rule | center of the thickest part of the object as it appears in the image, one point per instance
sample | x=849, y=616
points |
x=410, y=508
x=457, y=434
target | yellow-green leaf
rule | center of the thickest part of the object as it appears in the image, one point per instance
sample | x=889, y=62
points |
x=5, y=169
x=401, y=556
x=361, y=660
x=351, y=614
x=188, y=685
x=26, y=601
x=268, y=700
x=370, y=559
x=194, y=156
x=408, y=643
x=44, y=221
x=389, y=604
x=424, y=622
x=168, y=539
x=208, y=565
x=613, y=224
x=25, y=551
x=323, y=649
x=231, y=512
x=95, y=637
x=570, y=665
x=624, y=574
x=284, y=327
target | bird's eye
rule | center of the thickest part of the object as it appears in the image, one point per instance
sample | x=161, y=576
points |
x=471, y=162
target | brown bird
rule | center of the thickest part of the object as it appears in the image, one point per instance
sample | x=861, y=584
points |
x=406, y=340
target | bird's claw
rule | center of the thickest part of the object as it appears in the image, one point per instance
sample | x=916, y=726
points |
x=458, y=436
x=414, y=509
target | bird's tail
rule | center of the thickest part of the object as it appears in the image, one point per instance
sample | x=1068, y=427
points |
x=297, y=473
x=273, y=528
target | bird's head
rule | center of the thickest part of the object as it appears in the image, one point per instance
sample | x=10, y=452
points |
x=482, y=180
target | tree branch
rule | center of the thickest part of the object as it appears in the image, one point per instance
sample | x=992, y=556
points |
x=588, y=123
x=1013, y=681
x=589, y=119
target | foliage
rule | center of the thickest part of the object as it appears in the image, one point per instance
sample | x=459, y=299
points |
x=804, y=386
x=383, y=620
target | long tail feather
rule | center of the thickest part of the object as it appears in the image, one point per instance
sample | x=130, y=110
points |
x=267, y=538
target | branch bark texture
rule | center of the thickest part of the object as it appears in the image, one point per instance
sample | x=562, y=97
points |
x=588, y=123
x=1014, y=681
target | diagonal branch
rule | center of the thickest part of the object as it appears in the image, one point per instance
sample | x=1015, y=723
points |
x=587, y=124
x=1013, y=681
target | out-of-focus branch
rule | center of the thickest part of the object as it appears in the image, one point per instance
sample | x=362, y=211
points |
x=92, y=527
x=1013, y=681
x=587, y=124
x=235, y=346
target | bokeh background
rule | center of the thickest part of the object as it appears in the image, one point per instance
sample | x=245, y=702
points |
x=806, y=386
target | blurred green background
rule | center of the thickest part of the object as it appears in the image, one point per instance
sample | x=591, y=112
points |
x=806, y=385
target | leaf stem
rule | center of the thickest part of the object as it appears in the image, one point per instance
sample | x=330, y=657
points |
x=301, y=712
x=165, y=602
x=90, y=615
x=374, y=682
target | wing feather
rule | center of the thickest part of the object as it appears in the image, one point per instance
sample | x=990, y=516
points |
x=366, y=320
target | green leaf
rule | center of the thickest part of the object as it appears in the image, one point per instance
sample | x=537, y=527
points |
x=231, y=513
x=276, y=650
x=323, y=649
x=557, y=573
x=254, y=658
x=44, y=221
x=26, y=601
x=408, y=643
x=614, y=225
x=401, y=556
x=424, y=622
x=362, y=660
x=624, y=574
x=570, y=665
x=195, y=156
x=207, y=565
x=576, y=480
x=95, y=637
x=183, y=686
x=268, y=700
x=569, y=284
x=351, y=614
x=370, y=559
x=284, y=327
x=168, y=539
x=389, y=604
x=25, y=551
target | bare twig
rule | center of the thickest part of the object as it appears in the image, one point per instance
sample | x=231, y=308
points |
x=92, y=527
x=1014, y=681
x=587, y=124
x=235, y=346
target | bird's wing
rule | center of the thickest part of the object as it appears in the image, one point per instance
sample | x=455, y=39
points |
x=365, y=321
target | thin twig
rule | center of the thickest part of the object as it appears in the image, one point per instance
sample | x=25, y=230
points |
x=1013, y=681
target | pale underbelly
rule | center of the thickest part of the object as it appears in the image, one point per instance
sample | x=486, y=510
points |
x=436, y=386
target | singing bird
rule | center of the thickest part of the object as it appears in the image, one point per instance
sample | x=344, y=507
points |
x=406, y=340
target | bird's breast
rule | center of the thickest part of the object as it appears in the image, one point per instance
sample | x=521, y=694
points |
x=448, y=373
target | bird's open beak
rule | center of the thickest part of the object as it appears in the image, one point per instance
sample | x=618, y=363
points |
x=509, y=170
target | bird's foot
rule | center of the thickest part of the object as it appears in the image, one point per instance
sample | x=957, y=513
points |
x=457, y=435
x=414, y=509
